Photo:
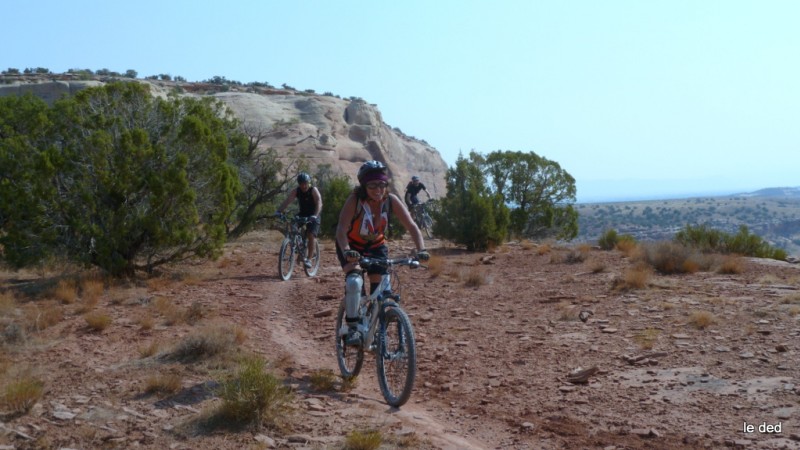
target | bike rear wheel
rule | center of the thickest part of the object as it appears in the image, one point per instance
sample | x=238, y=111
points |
x=286, y=259
x=314, y=261
x=396, y=358
x=350, y=358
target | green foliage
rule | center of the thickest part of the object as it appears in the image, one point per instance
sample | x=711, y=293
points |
x=470, y=214
x=334, y=191
x=609, y=239
x=123, y=180
x=539, y=192
x=744, y=243
x=254, y=396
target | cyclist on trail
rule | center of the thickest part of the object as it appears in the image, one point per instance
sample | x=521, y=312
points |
x=412, y=190
x=360, y=232
x=310, y=206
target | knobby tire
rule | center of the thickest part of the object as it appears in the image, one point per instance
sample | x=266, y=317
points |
x=314, y=261
x=396, y=358
x=350, y=358
x=286, y=259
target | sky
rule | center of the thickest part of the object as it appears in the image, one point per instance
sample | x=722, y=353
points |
x=635, y=99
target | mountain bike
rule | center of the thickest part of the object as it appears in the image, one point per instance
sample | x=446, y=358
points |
x=294, y=248
x=423, y=219
x=386, y=332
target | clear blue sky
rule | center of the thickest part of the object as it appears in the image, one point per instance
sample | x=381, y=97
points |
x=637, y=98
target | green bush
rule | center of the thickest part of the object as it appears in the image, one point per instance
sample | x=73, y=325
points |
x=253, y=395
x=608, y=240
x=116, y=178
x=708, y=240
x=334, y=192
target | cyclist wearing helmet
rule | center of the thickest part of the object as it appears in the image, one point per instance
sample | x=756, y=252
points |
x=412, y=190
x=310, y=206
x=360, y=232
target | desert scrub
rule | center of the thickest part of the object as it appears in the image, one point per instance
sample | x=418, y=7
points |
x=363, y=440
x=701, y=319
x=162, y=384
x=206, y=342
x=671, y=258
x=97, y=321
x=647, y=338
x=21, y=394
x=731, y=265
x=475, y=278
x=253, y=396
x=635, y=277
x=323, y=380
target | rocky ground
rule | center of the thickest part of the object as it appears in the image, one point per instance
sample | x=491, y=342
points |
x=687, y=361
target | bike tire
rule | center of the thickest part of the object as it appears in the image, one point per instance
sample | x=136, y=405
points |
x=427, y=224
x=286, y=260
x=349, y=358
x=396, y=358
x=314, y=261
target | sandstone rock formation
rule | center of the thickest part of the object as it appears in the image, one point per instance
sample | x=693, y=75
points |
x=324, y=129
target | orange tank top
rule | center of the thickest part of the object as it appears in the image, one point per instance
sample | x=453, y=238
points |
x=366, y=230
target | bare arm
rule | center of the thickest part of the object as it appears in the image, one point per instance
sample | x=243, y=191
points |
x=345, y=218
x=399, y=209
x=317, y=201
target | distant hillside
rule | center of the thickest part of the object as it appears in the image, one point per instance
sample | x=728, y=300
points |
x=332, y=133
x=772, y=213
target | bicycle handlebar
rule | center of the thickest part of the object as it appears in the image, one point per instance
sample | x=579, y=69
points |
x=386, y=262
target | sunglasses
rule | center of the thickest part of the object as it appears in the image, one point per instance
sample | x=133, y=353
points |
x=377, y=185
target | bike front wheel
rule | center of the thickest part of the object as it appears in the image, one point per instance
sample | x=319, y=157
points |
x=396, y=358
x=311, y=271
x=350, y=358
x=427, y=225
x=286, y=259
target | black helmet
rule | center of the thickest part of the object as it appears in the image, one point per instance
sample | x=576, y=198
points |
x=369, y=167
x=303, y=177
x=415, y=178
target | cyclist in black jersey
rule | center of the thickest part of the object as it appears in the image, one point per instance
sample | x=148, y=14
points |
x=310, y=202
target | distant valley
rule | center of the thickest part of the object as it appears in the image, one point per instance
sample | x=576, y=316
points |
x=772, y=213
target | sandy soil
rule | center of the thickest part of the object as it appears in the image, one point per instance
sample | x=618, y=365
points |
x=499, y=334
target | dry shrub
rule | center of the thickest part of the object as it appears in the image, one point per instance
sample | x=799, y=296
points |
x=527, y=244
x=647, y=338
x=212, y=340
x=628, y=247
x=87, y=304
x=66, y=292
x=158, y=283
x=164, y=384
x=21, y=394
x=146, y=322
x=322, y=380
x=149, y=350
x=91, y=290
x=701, y=319
x=793, y=310
x=557, y=258
x=635, y=277
x=436, y=266
x=578, y=255
x=566, y=312
x=97, y=321
x=670, y=257
x=348, y=383
x=544, y=249
x=363, y=440
x=769, y=279
x=791, y=299
x=195, y=313
x=731, y=265
x=598, y=267
x=8, y=304
x=41, y=317
x=475, y=278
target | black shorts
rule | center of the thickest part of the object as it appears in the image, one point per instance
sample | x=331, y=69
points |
x=313, y=227
x=381, y=251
